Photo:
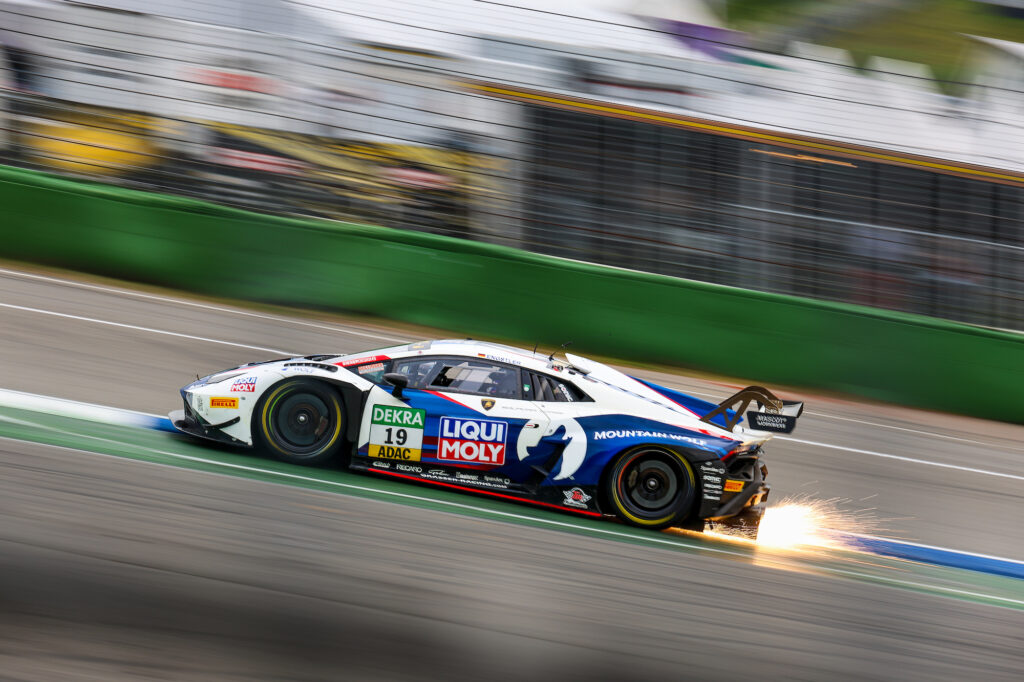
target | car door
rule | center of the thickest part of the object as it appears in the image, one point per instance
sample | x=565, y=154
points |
x=460, y=418
x=563, y=404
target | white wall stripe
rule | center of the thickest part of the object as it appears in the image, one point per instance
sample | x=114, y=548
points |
x=901, y=458
x=204, y=306
x=164, y=332
x=941, y=590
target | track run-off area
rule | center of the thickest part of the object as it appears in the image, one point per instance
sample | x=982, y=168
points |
x=124, y=537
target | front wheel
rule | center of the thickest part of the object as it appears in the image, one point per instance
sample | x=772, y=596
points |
x=651, y=488
x=301, y=421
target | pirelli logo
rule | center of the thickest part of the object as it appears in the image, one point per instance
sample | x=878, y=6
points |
x=230, y=403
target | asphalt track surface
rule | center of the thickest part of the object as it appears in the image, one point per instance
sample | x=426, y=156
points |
x=117, y=569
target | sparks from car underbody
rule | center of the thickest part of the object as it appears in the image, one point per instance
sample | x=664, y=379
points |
x=794, y=525
x=805, y=523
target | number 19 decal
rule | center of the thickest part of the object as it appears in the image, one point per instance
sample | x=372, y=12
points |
x=397, y=433
x=399, y=437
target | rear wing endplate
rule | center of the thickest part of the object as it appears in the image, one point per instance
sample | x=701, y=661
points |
x=772, y=413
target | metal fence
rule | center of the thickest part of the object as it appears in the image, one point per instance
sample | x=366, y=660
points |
x=430, y=156
x=723, y=210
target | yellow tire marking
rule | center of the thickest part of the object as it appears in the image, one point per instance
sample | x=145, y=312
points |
x=265, y=421
x=652, y=522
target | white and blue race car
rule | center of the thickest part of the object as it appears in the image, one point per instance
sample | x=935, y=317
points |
x=575, y=435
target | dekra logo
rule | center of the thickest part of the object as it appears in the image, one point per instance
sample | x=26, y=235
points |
x=398, y=416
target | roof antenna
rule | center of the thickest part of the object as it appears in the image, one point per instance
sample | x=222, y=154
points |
x=535, y=347
x=551, y=358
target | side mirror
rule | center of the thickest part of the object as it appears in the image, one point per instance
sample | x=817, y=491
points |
x=399, y=381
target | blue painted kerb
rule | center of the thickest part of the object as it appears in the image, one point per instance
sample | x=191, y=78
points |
x=881, y=546
x=937, y=556
x=161, y=424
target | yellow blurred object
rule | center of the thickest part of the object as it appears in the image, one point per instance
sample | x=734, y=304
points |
x=91, y=146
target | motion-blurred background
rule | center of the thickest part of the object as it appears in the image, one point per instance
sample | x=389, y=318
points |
x=865, y=152
x=869, y=152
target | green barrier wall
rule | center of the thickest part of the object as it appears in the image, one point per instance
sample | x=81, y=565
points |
x=481, y=289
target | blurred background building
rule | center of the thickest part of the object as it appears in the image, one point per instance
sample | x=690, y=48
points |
x=650, y=135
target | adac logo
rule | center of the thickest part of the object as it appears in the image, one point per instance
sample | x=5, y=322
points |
x=487, y=403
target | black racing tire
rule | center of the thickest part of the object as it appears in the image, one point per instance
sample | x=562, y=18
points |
x=651, y=487
x=300, y=421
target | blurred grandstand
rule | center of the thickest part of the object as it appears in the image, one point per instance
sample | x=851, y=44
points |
x=647, y=138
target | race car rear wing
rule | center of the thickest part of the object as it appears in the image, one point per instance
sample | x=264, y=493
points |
x=772, y=413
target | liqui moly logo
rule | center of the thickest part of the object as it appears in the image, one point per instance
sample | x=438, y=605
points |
x=473, y=441
x=244, y=385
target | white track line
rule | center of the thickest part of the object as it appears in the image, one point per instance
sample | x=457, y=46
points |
x=33, y=402
x=342, y=330
x=913, y=584
x=290, y=354
x=349, y=486
x=147, y=329
x=15, y=420
x=878, y=579
x=930, y=434
x=942, y=549
x=131, y=418
x=204, y=306
x=901, y=458
x=895, y=428
x=111, y=415
x=288, y=321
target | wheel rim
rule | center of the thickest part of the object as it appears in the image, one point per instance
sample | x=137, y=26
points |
x=301, y=422
x=650, y=486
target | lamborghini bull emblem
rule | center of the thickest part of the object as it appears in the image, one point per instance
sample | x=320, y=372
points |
x=487, y=403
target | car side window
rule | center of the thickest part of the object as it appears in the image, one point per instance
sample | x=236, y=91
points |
x=549, y=389
x=462, y=375
x=419, y=370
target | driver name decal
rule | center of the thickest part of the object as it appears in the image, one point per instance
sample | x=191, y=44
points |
x=396, y=433
x=472, y=441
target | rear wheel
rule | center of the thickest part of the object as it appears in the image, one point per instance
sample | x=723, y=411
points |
x=301, y=421
x=651, y=488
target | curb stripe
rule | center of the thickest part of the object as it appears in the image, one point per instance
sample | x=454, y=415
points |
x=899, y=549
x=939, y=556
x=76, y=410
